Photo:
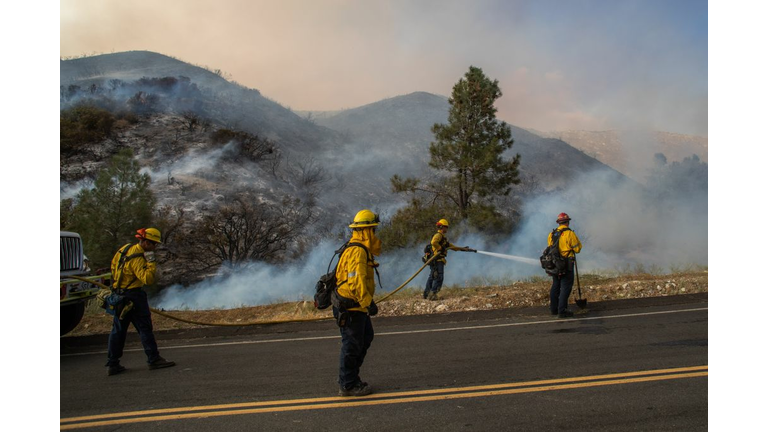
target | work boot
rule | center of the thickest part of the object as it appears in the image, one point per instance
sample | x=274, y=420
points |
x=359, y=389
x=565, y=314
x=161, y=363
x=115, y=369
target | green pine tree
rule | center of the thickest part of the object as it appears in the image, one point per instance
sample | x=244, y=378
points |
x=470, y=171
x=468, y=150
x=107, y=216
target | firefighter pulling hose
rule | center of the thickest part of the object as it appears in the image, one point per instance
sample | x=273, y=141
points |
x=133, y=267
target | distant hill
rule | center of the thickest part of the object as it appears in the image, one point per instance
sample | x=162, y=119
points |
x=405, y=122
x=405, y=118
x=228, y=103
x=133, y=65
x=632, y=152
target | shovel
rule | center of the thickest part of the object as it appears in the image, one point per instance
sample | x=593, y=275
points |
x=580, y=302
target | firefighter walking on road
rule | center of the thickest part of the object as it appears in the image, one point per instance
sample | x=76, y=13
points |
x=440, y=247
x=133, y=266
x=562, y=284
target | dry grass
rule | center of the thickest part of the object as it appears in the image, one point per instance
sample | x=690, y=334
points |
x=533, y=292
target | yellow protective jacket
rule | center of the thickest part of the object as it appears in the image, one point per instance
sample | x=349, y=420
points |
x=569, y=243
x=136, y=271
x=354, y=274
x=439, y=245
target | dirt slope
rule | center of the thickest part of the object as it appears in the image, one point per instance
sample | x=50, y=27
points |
x=409, y=302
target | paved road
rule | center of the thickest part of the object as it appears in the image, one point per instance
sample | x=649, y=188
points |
x=623, y=365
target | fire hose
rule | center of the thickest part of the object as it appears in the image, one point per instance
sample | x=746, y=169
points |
x=253, y=323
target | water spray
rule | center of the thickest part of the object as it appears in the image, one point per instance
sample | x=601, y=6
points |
x=511, y=257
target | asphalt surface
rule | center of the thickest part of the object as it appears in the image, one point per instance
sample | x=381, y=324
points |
x=623, y=365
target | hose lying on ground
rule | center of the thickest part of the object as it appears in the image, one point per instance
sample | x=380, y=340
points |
x=253, y=323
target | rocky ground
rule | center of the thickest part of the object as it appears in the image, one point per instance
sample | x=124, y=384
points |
x=533, y=293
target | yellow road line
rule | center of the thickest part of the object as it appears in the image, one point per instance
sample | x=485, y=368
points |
x=382, y=395
x=389, y=398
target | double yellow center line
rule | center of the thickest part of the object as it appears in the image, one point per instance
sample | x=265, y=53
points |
x=380, y=399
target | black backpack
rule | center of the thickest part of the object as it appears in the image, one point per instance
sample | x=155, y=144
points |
x=428, y=250
x=326, y=289
x=427, y=253
x=551, y=261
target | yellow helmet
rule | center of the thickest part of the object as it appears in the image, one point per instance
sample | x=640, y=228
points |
x=365, y=218
x=442, y=223
x=151, y=234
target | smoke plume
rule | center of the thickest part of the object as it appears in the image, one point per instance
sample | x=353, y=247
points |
x=621, y=226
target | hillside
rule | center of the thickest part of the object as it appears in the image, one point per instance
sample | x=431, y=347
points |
x=405, y=122
x=185, y=164
x=222, y=101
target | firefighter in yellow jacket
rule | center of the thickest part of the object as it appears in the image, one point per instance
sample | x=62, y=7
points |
x=355, y=306
x=133, y=266
x=440, y=247
x=568, y=245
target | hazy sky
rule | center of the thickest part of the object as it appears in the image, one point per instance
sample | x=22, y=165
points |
x=569, y=64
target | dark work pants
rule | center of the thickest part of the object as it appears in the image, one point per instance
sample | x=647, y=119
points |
x=561, y=291
x=435, y=280
x=356, y=338
x=141, y=318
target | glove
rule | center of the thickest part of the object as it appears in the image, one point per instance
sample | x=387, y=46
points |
x=149, y=256
x=468, y=249
x=373, y=309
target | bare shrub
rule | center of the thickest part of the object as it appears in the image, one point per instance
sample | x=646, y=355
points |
x=240, y=231
x=310, y=173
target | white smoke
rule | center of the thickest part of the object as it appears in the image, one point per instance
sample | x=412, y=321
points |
x=252, y=284
x=70, y=190
x=259, y=283
x=619, y=225
x=192, y=162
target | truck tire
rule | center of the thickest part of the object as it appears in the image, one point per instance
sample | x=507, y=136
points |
x=71, y=316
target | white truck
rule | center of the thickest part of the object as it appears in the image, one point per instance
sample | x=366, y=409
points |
x=74, y=294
